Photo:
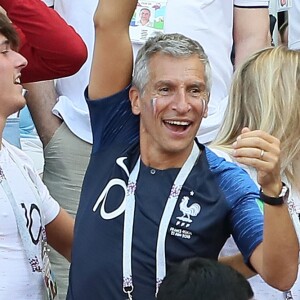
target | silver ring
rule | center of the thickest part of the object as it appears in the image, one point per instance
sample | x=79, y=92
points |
x=262, y=152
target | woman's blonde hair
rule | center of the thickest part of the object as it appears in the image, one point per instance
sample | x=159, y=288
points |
x=265, y=95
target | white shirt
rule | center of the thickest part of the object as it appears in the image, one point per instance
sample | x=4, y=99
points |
x=16, y=278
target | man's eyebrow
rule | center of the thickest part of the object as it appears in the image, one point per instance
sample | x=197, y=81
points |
x=198, y=84
x=161, y=83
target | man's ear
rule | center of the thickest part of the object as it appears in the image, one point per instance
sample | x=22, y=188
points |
x=205, y=110
x=134, y=96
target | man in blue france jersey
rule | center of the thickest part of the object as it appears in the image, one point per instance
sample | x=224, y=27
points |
x=152, y=195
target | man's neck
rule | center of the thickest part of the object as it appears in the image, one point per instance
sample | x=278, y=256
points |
x=164, y=160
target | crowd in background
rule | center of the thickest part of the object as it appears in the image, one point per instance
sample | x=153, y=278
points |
x=50, y=45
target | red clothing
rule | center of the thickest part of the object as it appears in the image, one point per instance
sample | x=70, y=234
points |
x=52, y=47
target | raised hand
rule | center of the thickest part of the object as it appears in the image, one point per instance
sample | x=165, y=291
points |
x=261, y=151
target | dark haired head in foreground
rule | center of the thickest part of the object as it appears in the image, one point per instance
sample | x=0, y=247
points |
x=199, y=278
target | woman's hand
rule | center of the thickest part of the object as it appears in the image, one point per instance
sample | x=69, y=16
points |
x=261, y=151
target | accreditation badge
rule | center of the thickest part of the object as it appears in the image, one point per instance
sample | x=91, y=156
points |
x=147, y=19
x=48, y=275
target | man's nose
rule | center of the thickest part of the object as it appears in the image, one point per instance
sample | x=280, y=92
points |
x=20, y=61
x=181, y=103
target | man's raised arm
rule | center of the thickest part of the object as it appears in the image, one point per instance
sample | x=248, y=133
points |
x=276, y=258
x=113, y=60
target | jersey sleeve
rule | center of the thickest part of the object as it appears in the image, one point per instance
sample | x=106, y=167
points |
x=50, y=206
x=242, y=195
x=112, y=120
x=52, y=47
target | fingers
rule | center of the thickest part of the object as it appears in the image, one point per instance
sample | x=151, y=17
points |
x=261, y=151
x=245, y=129
x=251, y=143
x=257, y=149
x=247, y=133
x=260, y=165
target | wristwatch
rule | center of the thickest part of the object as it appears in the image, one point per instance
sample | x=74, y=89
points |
x=281, y=199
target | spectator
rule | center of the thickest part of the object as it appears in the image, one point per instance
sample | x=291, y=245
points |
x=204, y=279
x=41, y=31
x=64, y=124
x=134, y=216
x=266, y=85
x=67, y=140
x=29, y=216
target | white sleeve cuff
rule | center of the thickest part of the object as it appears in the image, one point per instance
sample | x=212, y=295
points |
x=254, y=3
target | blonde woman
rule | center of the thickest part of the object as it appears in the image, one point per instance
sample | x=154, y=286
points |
x=265, y=105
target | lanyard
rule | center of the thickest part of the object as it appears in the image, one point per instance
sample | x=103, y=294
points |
x=164, y=223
